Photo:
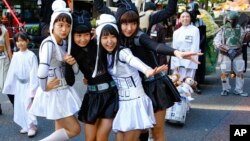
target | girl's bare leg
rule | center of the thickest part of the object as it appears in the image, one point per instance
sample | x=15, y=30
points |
x=70, y=124
x=119, y=136
x=128, y=136
x=90, y=131
x=104, y=128
x=65, y=128
x=158, y=130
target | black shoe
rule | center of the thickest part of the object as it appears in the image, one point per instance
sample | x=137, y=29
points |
x=1, y=110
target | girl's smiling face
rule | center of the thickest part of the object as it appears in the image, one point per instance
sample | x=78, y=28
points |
x=82, y=39
x=22, y=44
x=109, y=42
x=185, y=18
x=128, y=29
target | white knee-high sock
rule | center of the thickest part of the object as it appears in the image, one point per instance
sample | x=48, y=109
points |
x=58, y=135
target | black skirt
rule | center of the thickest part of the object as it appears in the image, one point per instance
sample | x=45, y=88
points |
x=97, y=105
x=162, y=92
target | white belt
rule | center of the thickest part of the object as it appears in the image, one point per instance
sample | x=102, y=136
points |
x=131, y=93
x=23, y=81
x=62, y=84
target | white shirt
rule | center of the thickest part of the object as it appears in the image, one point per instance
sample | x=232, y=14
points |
x=126, y=74
x=186, y=38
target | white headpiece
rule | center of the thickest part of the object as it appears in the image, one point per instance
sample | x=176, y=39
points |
x=58, y=7
x=105, y=19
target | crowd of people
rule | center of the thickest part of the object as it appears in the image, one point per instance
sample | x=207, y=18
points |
x=119, y=61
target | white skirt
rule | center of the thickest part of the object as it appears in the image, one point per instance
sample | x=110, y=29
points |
x=4, y=66
x=56, y=104
x=135, y=111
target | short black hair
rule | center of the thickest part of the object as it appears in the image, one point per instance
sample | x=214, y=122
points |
x=21, y=35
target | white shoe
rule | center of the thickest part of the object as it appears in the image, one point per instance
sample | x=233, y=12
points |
x=190, y=98
x=224, y=93
x=241, y=93
x=32, y=132
x=23, y=131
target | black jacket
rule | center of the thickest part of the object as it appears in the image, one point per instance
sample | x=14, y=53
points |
x=85, y=58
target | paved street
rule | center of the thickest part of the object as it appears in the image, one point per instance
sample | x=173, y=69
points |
x=208, y=120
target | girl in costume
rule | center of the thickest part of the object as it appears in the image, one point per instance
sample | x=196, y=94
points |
x=22, y=82
x=159, y=88
x=55, y=99
x=100, y=103
x=135, y=107
x=185, y=38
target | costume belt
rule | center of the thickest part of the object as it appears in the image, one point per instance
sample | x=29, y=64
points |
x=62, y=84
x=232, y=52
x=101, y=87
x=23, y=81
x=131, y=93
x=57, y=73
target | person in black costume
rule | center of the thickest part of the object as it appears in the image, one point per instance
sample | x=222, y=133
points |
x=159, y=88
x=201, y=71
x=100, y=103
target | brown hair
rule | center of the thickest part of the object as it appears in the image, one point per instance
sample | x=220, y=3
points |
x=63, y=17
x=130, y=16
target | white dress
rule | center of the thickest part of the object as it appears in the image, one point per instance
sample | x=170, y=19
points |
x=22, y=82
x=186, y=38
x=135, y=107
x=4, y=60
x=60, y=102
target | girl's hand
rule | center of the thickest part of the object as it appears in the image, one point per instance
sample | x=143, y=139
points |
x=69, y=59
x=52, y=84
x=161, y=68
x=187, y=55
x=151, y=72
x=85, y=81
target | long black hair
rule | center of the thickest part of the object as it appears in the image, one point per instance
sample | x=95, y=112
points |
x=109, y=30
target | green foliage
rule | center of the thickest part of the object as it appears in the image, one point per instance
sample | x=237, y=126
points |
x=201, y=1
x=33, y=30
x=211, y=56
x=93, y=23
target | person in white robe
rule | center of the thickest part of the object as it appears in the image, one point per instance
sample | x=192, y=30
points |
x=5, y=56
x=22, y=82
x=186, y=38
